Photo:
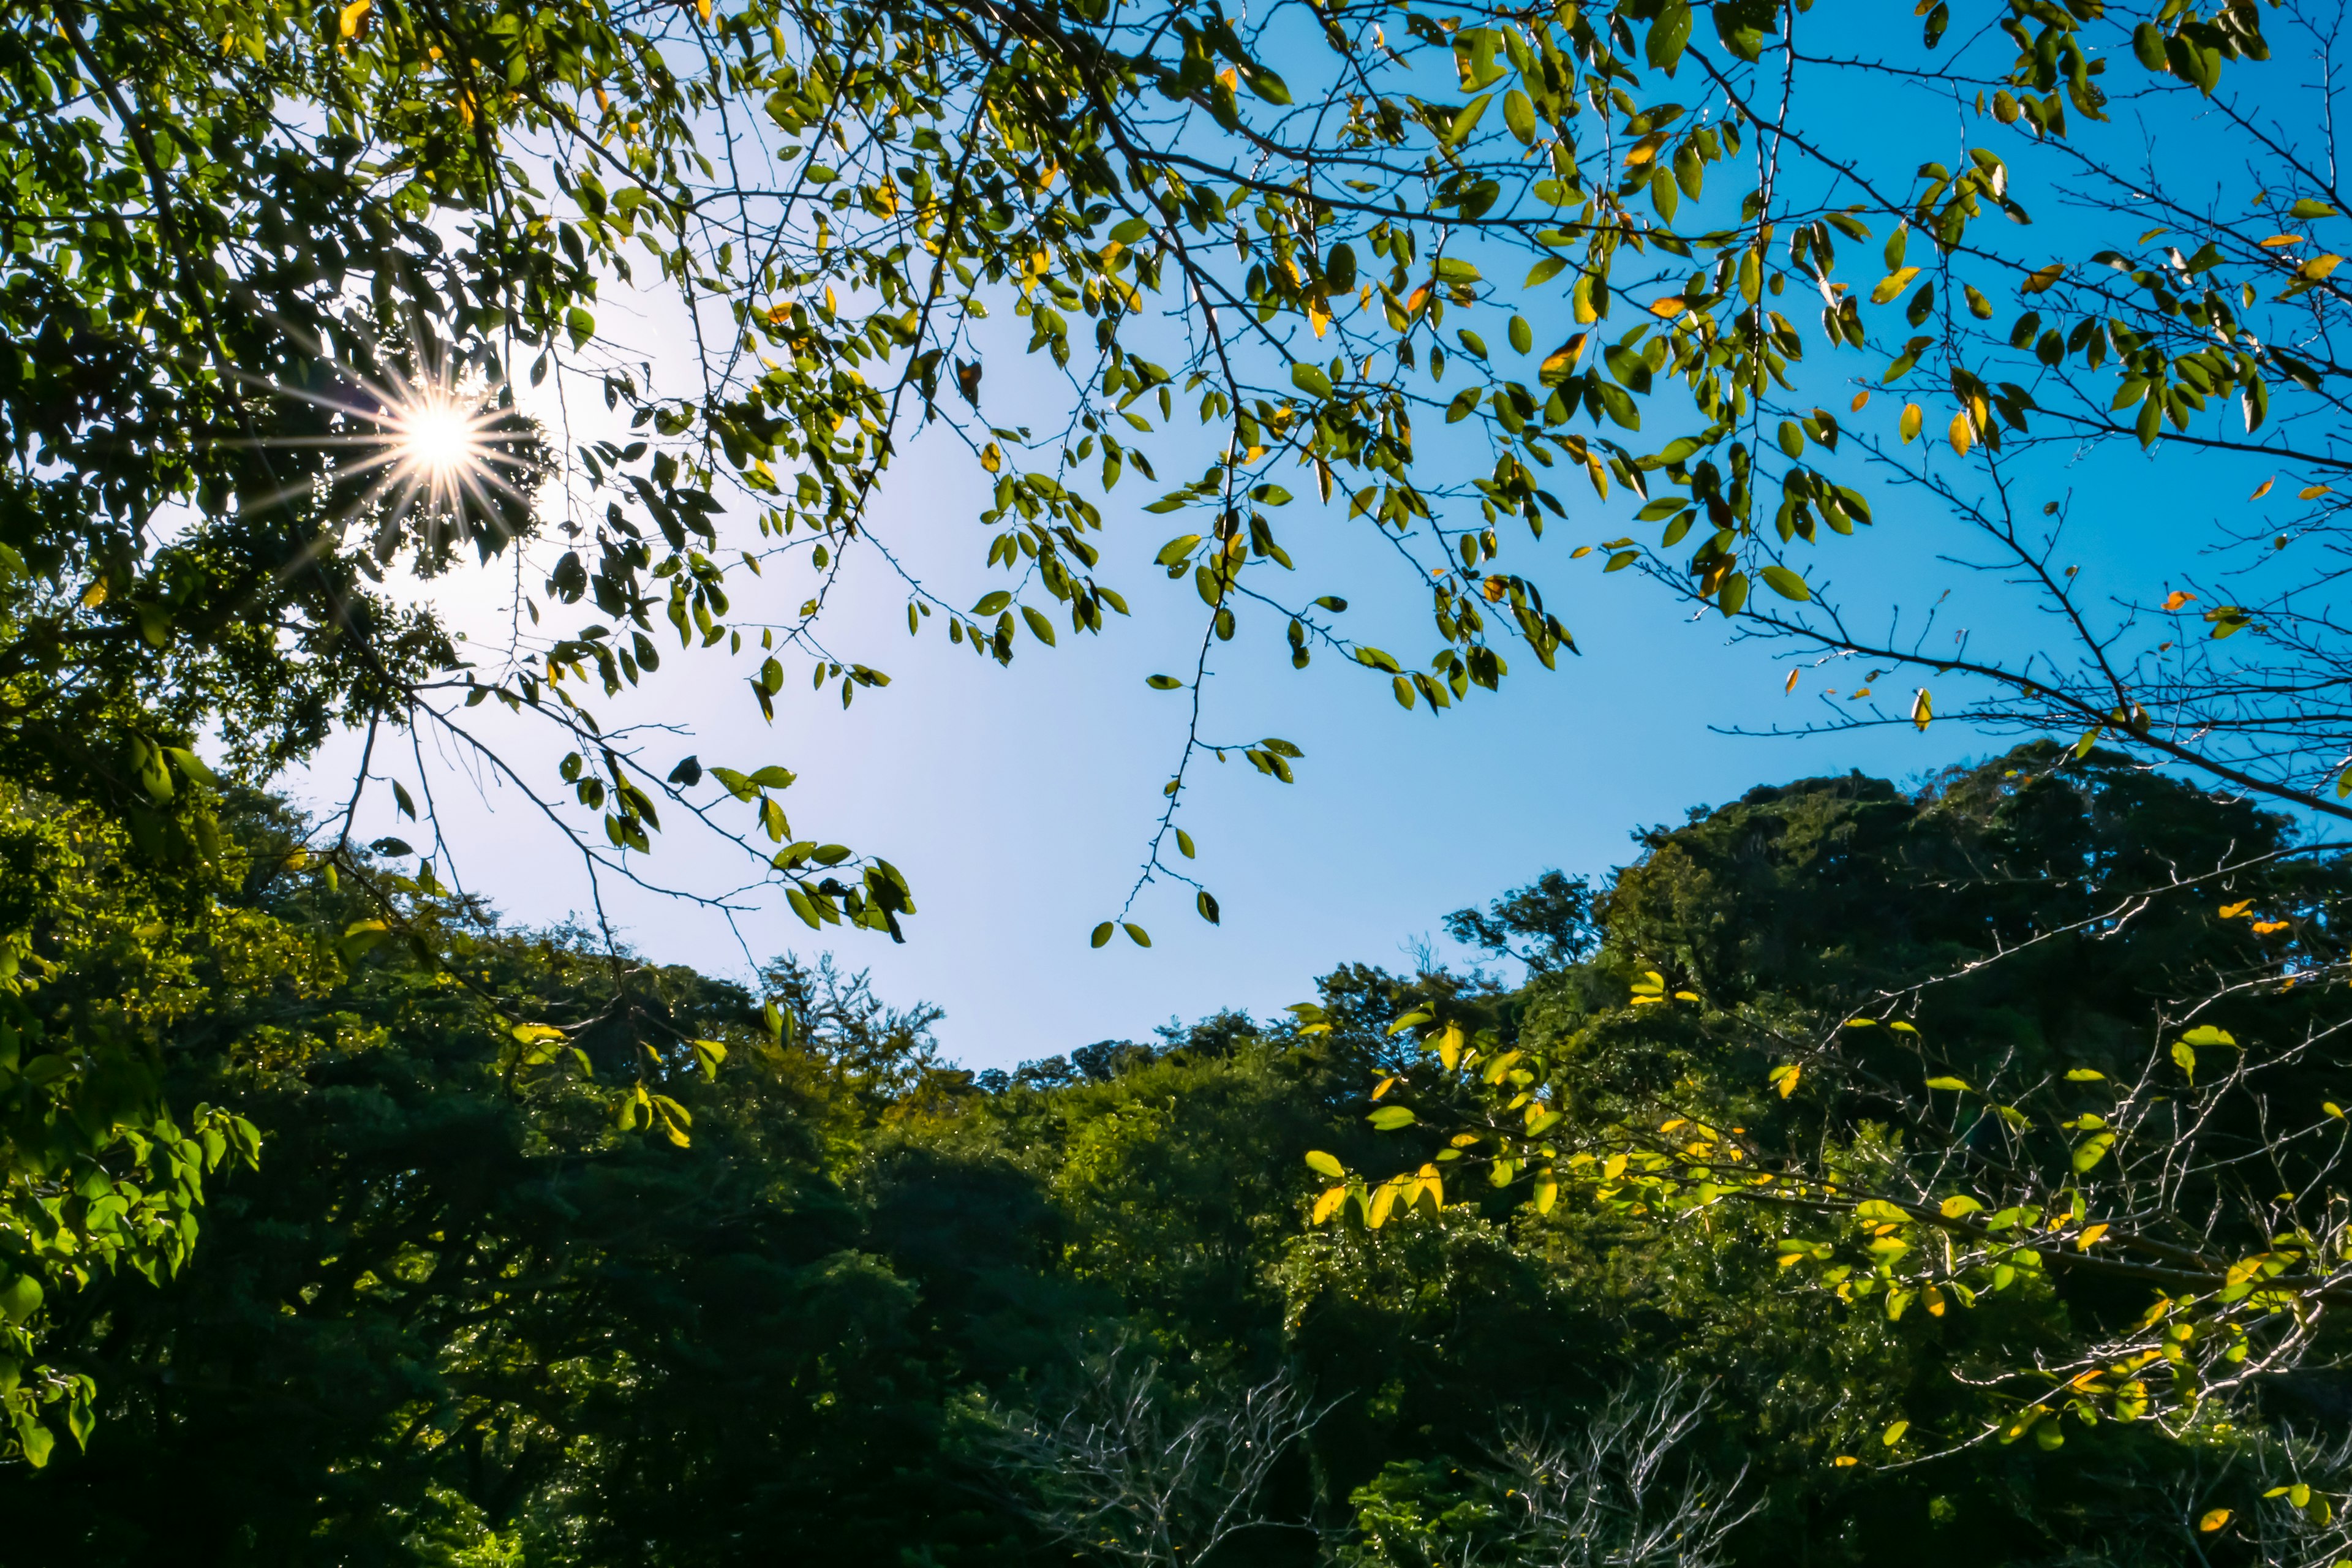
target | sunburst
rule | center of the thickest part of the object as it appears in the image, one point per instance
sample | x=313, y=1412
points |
x=435, y=448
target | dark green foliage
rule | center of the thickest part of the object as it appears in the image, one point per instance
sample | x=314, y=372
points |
x=458, y=1317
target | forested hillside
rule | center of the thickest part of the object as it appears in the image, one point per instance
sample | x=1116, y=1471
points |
x=867, y=1306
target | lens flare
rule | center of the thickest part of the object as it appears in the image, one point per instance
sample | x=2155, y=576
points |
x=418, y=453
x=437, y=439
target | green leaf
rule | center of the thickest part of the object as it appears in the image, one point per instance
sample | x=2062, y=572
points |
x=2207, y=1035
x=707, y=1055
x=1669, y=35
x=1519, y=115
x=1785, y=582
x=1136, y=934
x=1466, y=119
x=1101, y=935
x=1325, y=1164
x=36, y=1439
x=1162, y=683
x=1206, y=904
x=1389, y=1118
x=193, y=765
x=20, y=1297
x=1310, y=380
x=1618, y=404
x=1952, y=1084
x=992, y=604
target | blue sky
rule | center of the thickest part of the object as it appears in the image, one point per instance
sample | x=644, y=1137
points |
x=1018, y=802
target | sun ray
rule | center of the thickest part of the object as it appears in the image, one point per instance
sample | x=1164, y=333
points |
x=420, y=444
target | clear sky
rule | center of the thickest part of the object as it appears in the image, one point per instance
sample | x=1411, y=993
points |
x=1018, y=802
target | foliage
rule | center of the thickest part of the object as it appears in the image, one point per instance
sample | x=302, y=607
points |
x=2028, y=1076
x=281, y=280
x=869, y=1309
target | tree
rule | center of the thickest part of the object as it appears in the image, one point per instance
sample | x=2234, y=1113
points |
x=1619, y=1489
x=1553, y=915
x=460, y=1311
x=272, y=318
x=1130, y=1472
x=2025, y=1033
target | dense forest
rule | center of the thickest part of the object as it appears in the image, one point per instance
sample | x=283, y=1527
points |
x=874, y=1308
x=410, y=403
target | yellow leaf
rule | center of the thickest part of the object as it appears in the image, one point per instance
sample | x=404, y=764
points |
x=1672, y=305
x=1546, y=1193
x=1963, y=434
x=2274, y=241
x=2332, y=1109
x=2090, y=1238
x=347, y=19
x=2176, y=598
x=2313, y=492
x=1913, y=417
x=1792, y=685
x=2045, y=279
x=2213, y=1520
x=2263, y=488
x=1330, y=1203
x=1860, y=400
x=1894, y=1434
x=1891, y=285
x=2231, y=911
x=1612, y=1167
x=1784, y=1079
x=1933, y=1298
x=702, y=8
x=1922, y=710
x=1449, y=1046
x=2320, y=267
x=1384, y=1200
x=1846, y=1461
x=2265, y=927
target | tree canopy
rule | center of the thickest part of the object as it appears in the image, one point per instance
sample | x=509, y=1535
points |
x=300, y=308
x=875, y=1306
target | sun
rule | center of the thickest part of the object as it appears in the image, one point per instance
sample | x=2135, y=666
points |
x=433, y=451
x=437, y=439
